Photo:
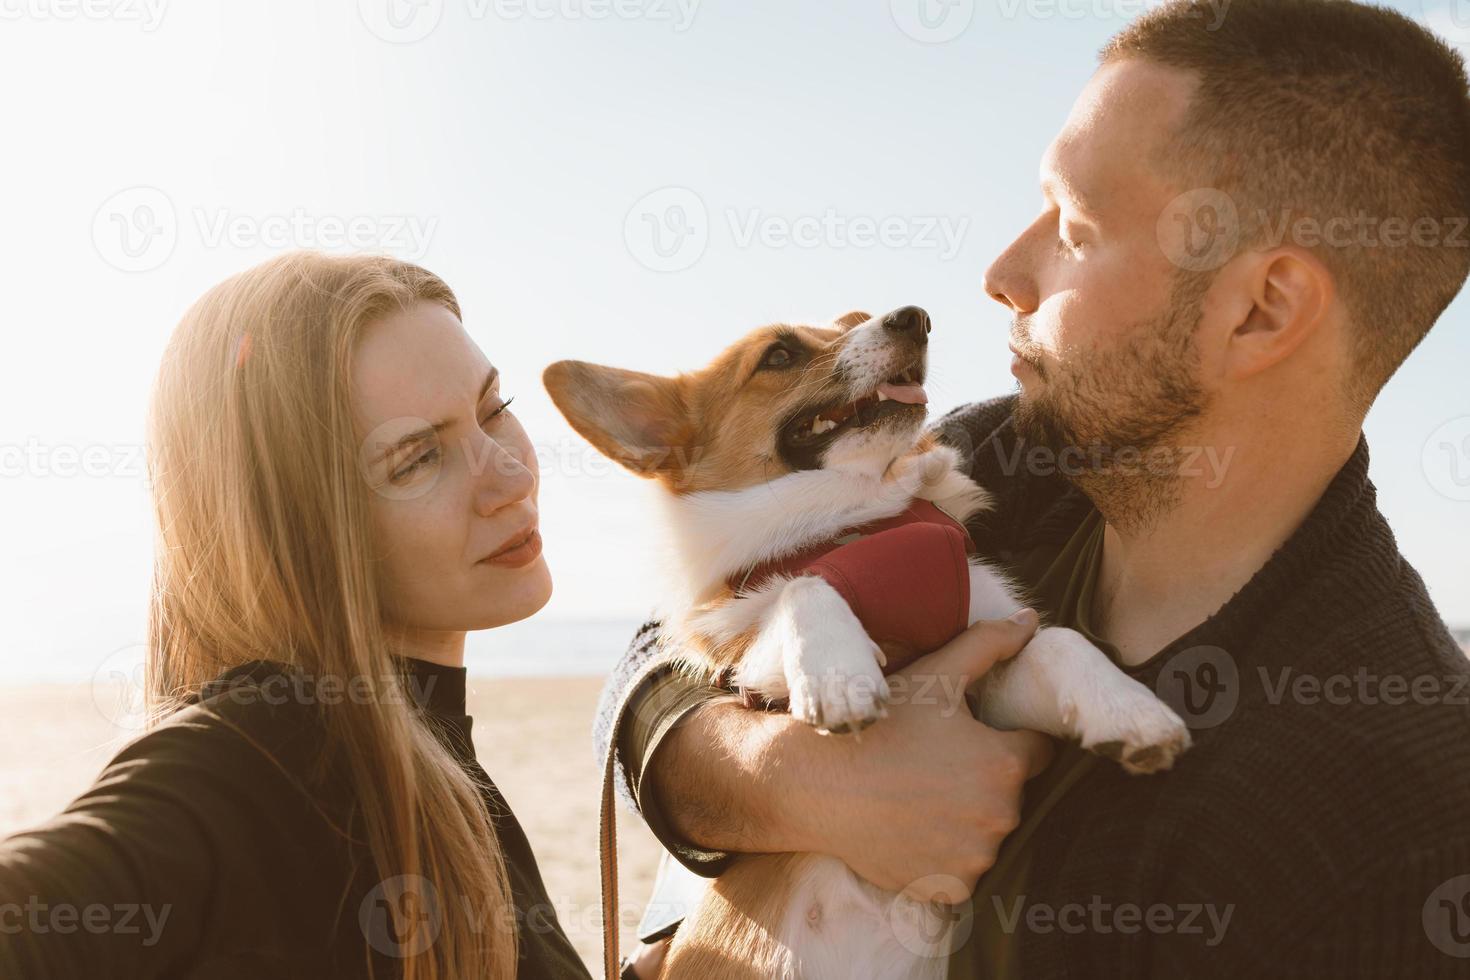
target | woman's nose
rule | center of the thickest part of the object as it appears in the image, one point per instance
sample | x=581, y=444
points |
x=507, y=479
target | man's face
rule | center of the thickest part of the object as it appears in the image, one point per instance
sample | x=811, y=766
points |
x=1102, y=333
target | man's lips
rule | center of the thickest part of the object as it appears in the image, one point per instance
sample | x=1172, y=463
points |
x=1020, y=360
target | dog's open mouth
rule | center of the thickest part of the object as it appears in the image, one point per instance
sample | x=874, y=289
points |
x=901, y=394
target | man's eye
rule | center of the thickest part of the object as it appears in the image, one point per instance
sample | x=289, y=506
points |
x=776, y=357
x=1068, y=244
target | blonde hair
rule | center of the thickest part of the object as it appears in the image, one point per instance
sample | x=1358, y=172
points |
x=263, y=552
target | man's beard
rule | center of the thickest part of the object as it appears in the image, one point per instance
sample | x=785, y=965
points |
x=1112, y=424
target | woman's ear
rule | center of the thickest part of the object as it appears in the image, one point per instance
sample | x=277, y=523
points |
x=637, y=420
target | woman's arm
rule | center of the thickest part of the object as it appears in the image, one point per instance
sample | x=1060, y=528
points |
x=197, y=848
x=118, y=884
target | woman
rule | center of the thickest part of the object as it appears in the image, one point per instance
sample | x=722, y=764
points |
x=341, y=494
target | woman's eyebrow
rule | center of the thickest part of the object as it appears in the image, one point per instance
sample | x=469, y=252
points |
x=422, y=434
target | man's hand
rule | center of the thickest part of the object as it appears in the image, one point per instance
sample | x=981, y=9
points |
x=918, y=802
x=923, y=799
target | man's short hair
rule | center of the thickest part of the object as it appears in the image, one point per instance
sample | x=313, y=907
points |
x=1329, y=111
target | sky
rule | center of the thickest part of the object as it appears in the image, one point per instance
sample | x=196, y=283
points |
x=634, y=182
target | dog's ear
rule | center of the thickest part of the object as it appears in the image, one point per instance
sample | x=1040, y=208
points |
x=849, y=320
x=637, y=420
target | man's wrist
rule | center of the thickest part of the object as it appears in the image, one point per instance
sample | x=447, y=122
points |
x=793, y=765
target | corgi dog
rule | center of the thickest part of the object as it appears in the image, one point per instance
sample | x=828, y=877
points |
x=817, y=538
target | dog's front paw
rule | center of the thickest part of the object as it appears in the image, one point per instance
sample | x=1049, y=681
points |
x=1134, y=728
x=837, y=702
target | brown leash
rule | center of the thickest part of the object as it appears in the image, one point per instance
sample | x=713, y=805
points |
x=607, y=843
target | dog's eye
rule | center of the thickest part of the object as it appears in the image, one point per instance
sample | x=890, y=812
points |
x=776, y=357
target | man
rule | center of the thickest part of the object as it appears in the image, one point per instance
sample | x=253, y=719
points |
x=1224, y=273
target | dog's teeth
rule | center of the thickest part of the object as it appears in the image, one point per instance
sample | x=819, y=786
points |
x=823, y=425
x=882, y=397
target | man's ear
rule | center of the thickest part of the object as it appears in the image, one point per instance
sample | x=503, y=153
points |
x=849, y=320
x=1291, y=292
x=637, y=420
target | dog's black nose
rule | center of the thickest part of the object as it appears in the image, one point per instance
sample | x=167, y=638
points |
x=911, y=321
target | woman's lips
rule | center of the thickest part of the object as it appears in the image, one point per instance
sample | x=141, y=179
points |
x=520, y=552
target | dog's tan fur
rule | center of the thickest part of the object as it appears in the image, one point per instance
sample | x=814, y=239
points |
x=712, y=439
x=725, y=444
x=704, y=430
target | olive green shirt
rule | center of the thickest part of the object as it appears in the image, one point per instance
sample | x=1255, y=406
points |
x=1061, y=585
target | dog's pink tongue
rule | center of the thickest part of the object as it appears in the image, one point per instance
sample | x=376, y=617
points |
x=908, y=394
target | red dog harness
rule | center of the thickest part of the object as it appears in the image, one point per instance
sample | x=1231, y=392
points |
x=906, y=577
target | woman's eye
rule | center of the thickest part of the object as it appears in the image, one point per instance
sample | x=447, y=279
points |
x=433, y=454
x=498, y=411
x=411, y=468
x=776, y=357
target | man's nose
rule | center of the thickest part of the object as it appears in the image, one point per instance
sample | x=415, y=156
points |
x=909, y=322
x=1005, y=283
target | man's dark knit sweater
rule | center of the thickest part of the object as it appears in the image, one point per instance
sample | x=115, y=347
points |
x=1323, y=805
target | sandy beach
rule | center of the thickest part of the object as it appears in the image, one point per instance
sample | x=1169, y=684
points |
x=533, y=735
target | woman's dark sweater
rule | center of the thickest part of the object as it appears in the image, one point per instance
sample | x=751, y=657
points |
x=194, y=855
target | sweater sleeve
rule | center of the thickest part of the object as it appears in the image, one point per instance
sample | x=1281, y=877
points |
x=658, y=703
x=118, y=884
